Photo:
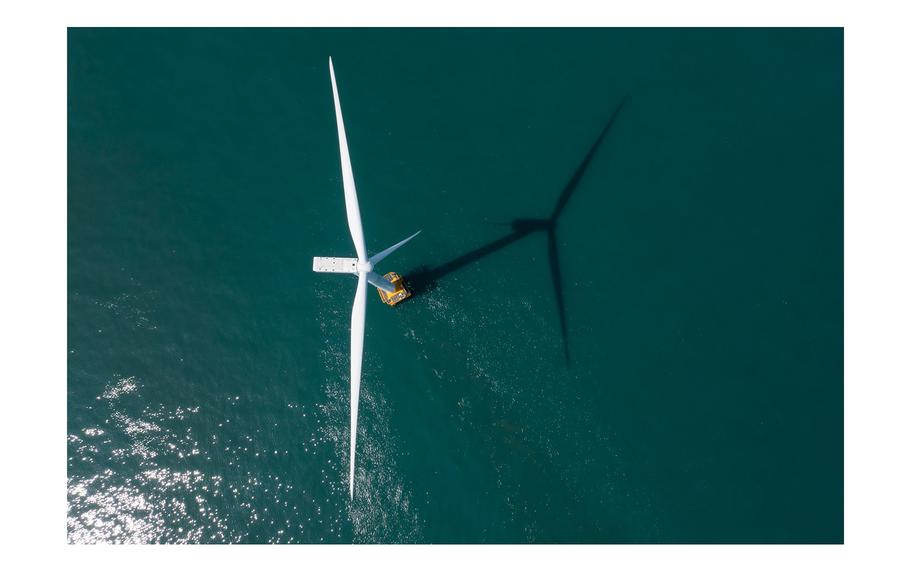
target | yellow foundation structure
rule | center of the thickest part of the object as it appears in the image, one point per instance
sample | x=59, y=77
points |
x=400, y=294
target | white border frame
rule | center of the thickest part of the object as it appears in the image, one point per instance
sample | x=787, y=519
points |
x=33, y=241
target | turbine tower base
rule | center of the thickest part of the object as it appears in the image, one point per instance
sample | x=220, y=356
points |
x=401, y=293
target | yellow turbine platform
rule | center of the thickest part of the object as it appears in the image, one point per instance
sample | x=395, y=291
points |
x=400, y=294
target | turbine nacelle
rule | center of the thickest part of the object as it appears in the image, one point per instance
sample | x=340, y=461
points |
x=357, y=266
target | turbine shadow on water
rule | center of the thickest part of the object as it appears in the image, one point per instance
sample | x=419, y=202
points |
x=425, y=278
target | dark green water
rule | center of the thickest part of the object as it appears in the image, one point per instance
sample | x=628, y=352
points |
x=700, y=260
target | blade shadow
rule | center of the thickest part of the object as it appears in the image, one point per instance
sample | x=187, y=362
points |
x=570, y=187
x=556, y=275
x=425, y=278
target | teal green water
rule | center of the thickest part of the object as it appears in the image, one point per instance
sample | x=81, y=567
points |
x=700, y=260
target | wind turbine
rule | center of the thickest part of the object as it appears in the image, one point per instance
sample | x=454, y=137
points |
x=362, y=266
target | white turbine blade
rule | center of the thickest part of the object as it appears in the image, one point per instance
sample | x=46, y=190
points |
x=358, y=322
x=380, y=282
x=381, y=255
x=347, y=177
